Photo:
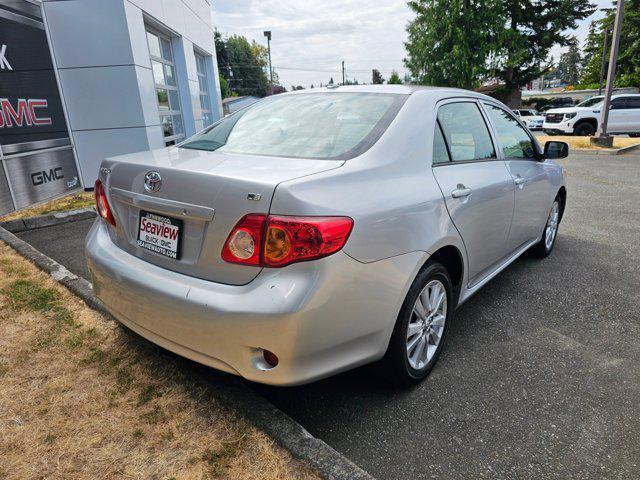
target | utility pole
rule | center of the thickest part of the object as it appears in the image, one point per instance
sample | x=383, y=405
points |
x=343, y=78
x=604, y=58
x=601, y=138
x=267, y=34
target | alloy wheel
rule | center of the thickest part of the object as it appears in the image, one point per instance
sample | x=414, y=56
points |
x=426, y=325
x=552, y=226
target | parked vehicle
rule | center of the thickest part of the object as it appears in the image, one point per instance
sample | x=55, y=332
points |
x=313, y=232
x=531, y=118
x=584, y=118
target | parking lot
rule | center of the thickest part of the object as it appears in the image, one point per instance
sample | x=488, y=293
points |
x=540, y=376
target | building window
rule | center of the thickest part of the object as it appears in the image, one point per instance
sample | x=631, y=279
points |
x=166, y=84
x=203, y=82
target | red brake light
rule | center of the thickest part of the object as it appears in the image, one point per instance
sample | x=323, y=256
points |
x=102, y=204
x=276, y=241
x=296, y=239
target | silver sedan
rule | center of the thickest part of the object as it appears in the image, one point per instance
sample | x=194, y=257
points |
x=317, y=231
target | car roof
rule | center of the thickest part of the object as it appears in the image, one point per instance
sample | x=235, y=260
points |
x=396, y=89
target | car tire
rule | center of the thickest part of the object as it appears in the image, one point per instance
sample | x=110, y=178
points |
x=584, y=129
x=421, y=324
x=545, y=246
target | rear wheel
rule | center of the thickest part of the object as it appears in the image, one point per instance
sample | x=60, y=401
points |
x=584, y=129
x=421, y=327
x=544, y=247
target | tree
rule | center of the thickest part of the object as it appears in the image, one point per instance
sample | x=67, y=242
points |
x=394, y=79
x=241, y=66
x=376, y=77
x=529, y=29
x=449, y=41
x=461, y=42
x=570, y=64
x=261, y=53
x=225, y=91
x=628, y=65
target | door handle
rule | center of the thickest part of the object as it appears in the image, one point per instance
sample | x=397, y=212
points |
x=519, y=180
x=461, y=192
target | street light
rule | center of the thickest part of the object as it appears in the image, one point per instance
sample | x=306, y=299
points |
x=267, y=34
x=602, y=138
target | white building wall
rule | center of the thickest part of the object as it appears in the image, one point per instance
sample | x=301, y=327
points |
x=100, y=48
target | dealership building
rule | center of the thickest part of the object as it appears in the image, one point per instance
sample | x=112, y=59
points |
x=81, y=80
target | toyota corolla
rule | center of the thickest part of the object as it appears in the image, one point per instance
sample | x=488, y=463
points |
x=317, y=231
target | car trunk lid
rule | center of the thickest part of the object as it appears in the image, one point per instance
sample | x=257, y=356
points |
x=202, y=195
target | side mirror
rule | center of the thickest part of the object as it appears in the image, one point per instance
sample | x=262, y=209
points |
x=556, y=150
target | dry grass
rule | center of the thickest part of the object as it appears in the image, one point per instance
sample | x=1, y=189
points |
x=584, y=142
x=82, y=398
x=70, y=202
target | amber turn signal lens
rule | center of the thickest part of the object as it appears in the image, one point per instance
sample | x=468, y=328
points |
x=277, y=246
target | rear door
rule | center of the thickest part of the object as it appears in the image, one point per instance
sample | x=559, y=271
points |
x=477, y=188
x=532, y=187
x=633, y=111
x=618, y=116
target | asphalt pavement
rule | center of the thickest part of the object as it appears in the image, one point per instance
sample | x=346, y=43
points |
x=540, y=377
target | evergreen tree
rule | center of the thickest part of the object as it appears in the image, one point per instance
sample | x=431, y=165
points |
x=628, y=65
x=449, y=41
x=376, y=77
x=394, y=79
x=570, y=64
x=460, y=42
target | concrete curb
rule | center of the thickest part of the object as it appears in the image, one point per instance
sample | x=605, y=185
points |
x=288, y=433
x=607, y=151
x=22, y=224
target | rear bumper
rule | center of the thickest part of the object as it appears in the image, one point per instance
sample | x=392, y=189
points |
x=319, y=317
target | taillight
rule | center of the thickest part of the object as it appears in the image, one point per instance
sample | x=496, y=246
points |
x=276, y=241
x=102, y=204
x=245, y=241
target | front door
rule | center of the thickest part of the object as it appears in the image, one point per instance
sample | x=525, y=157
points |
x=477, y=188
x=532, y=188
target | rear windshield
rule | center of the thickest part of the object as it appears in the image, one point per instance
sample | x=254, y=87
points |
x=316, y=125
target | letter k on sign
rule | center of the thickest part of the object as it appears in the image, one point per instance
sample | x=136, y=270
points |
x=4, y=63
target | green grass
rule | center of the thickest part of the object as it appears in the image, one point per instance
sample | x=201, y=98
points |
x=29, y=295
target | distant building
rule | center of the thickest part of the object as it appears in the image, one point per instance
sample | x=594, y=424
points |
x=233, y=104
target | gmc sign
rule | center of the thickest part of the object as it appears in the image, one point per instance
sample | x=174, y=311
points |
x=37, y=161
x=24, y=114
x=38, y=178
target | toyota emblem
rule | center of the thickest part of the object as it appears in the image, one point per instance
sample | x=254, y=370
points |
x=152, y=182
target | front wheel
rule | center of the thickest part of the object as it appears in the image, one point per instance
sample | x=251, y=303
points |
x=584, y=129
x=544, y=247
x=421, y=327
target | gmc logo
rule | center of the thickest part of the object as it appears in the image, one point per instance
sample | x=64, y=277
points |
x=39, y=178
x=24, y=114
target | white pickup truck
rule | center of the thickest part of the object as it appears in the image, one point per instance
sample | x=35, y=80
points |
x=584, y=118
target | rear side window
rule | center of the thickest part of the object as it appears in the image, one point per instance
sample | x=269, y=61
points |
x=440, y=153
x=315, y=125
x=515, y=141
x=633, y=102
x=465, y=132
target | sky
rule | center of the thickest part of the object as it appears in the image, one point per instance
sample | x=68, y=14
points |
x=310, y=38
